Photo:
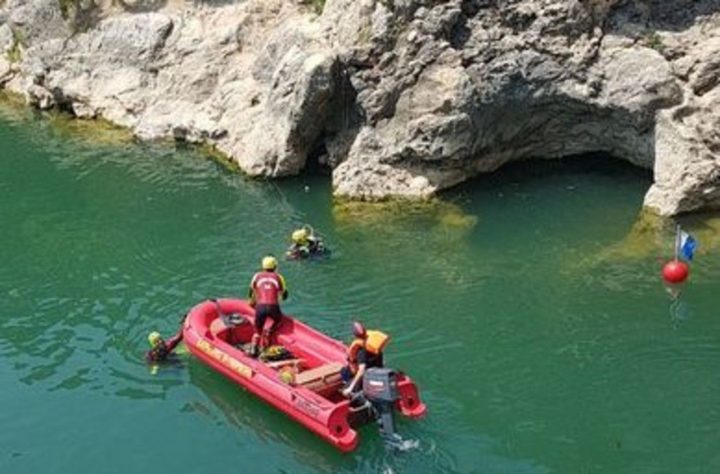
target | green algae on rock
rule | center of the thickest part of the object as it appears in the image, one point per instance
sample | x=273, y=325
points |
x=362, y=213
x=91, y=131
x=652, y=234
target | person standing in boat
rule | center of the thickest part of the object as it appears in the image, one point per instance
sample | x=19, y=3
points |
x=267, y=287
x=364, y=352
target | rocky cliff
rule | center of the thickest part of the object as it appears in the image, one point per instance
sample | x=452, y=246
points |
x=398, y=97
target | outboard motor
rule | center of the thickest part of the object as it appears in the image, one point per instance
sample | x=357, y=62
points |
x=380, y=389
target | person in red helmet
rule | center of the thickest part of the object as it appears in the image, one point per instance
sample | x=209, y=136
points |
x=267, y=287
x=364, y=352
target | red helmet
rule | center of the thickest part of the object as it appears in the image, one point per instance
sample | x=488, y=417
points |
x=358, y=329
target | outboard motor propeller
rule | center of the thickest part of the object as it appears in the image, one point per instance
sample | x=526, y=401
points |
x=380, y=389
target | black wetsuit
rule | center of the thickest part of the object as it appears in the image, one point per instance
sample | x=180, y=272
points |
x=162, y=350
x=363, y=357
x=369, y=359
x=264, y=311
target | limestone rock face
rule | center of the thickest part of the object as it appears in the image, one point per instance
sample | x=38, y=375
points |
x=36, y=21
x=6, y=45
x=254, y=79
x=291, y=117
x=687, y=137
x=469, y=86
x=400, y=98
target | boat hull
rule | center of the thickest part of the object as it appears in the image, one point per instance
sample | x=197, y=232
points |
x=326, y=415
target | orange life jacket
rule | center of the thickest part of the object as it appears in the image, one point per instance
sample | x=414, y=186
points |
x=374, y=343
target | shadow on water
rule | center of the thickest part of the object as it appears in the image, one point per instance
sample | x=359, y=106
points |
x=225, y=403
x=541, y=170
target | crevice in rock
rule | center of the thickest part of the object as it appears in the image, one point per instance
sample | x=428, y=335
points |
x=142, y=6
x=317, y=159
x=345, y=117
x=80, y=16
x=677, y=15
x=460, y=33
x=470, y=8
x=62, y=102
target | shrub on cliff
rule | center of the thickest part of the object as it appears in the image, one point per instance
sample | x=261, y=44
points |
x=317, y=5
x=81, y=15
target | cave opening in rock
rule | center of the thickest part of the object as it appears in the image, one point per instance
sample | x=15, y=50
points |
x=593, y=163
x=317, y=160
x=595, y=173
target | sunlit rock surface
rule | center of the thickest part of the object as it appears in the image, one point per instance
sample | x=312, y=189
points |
x=400, y=98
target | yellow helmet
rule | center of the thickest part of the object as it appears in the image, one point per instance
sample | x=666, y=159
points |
x=269, y=263
x=154, y=338
x=287, y=376
x=299, y=236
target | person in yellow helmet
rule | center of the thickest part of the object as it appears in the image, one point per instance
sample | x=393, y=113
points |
x=267, y=287
x=160, y=349
x=305, y=244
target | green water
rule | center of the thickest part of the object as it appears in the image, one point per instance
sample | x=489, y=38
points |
x=538, y=346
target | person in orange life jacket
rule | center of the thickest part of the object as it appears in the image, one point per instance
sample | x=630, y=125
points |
x=364, y=352
x=266, y=289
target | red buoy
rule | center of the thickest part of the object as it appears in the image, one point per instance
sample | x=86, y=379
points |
x=675, y=271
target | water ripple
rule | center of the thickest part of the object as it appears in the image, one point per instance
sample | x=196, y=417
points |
x=525, y=337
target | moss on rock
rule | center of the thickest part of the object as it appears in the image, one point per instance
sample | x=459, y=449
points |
x=316, y=5
x=96, y=131
x=441, y=213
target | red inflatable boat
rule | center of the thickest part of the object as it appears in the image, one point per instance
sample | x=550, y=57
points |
x=311, y=395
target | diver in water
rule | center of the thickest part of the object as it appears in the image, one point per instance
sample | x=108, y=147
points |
x=306, y=244
x=160, y=349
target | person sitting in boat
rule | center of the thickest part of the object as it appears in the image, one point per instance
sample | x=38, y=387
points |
x=305, y=244
x=266, y=289
x=364, y=352
x=160, y=349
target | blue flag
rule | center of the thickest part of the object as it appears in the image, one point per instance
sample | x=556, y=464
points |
x=687, y=245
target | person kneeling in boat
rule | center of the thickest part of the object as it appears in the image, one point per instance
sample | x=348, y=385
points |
x=266, y=289
x=364, y=352
x=305, y=244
